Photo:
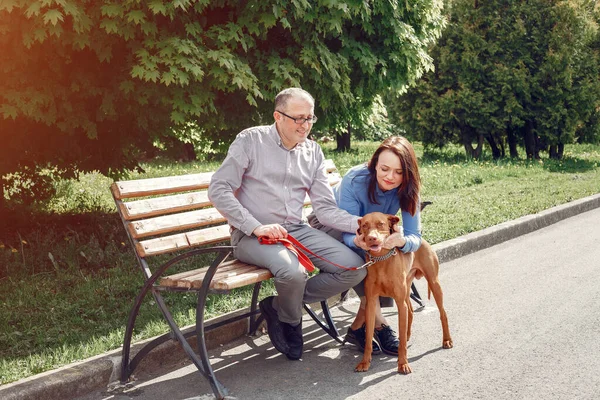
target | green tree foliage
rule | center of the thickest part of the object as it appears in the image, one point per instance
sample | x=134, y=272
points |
x=510, y=72
x=89, y=85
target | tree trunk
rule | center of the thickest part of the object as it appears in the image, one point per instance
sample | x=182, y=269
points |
x=561, y=150
x=466, y=138
x=479, y=148
x=188, y=153
x=556, y=151
x=512, y=143
x=494, y=146
x=468, y=149
x=531, y=142
x=343, y=139
x=3, y=202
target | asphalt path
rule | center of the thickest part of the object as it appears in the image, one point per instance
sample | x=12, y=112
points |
x=524, y=316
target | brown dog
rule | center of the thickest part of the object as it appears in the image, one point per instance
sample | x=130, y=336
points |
x=392, y=276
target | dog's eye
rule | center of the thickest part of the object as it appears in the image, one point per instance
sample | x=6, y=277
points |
x=380, y=224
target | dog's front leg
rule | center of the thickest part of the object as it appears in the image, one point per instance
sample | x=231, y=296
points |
x=410, y=317
x=370, y=311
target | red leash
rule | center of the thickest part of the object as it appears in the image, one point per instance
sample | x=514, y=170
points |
x=293, y=245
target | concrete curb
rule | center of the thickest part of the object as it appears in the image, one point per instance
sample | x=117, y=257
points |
x=98, y=372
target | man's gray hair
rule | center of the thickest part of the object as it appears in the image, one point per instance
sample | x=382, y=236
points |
x=285, y=95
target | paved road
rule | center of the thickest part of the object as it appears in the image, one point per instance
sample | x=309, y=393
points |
x=524, y=316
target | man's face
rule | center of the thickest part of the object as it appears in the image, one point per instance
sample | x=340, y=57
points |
x=291, y=133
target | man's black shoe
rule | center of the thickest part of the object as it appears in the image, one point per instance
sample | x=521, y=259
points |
x=293, y=334
x=358, y=337
x=387, y=339
x=274, y=326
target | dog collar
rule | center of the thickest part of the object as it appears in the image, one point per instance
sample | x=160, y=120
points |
x=374, y=259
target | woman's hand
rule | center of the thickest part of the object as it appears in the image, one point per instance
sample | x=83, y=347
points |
x=360, y=243
x=396, y=239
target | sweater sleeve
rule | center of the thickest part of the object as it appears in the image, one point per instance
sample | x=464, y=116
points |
x=411, y=224
x=324, y=203
x=348, y=200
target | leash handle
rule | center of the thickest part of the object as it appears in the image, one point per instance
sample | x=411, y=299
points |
x=292, y=244
x=303, y=258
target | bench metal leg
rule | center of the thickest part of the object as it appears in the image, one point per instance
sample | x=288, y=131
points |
x=415, y=295
x=328, y=325
x=255, y=320
x=201, y=360
x=206, y=369
x=126, y=367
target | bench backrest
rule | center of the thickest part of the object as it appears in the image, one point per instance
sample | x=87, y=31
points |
x=163, y=215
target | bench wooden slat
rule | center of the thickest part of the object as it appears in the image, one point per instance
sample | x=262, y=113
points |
x=181, y=183
x=330, y=165
x=164, y=205
x=180, y=241
x=261, y=274
x=196, y=280
x=227, y=276
x=165, y=185
x=172, y=280
x=334, y=178
x=173, y=223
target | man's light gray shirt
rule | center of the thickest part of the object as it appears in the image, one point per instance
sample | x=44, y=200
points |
x=261, y=182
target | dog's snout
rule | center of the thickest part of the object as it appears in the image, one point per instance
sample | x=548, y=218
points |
x=371, y=236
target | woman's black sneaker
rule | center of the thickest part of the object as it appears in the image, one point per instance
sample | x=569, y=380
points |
x=387, y=339
x=358, y=337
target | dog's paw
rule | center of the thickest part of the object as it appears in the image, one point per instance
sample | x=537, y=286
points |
x=362, y=366
x=447, y=344
x=404, y=369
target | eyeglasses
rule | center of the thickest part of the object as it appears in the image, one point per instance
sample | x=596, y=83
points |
x=300, y=121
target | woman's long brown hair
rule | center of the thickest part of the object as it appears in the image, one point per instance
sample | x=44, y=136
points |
x=408, y=191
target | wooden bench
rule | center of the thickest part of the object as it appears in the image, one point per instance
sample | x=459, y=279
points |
x=173, y=215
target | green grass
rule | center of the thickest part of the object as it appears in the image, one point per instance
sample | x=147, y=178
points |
x=68, y=276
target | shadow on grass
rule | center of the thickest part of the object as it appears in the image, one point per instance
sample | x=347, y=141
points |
x=67, y=285
x=568, y=164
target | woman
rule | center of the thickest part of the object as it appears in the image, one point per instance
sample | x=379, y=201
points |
x=388, y=183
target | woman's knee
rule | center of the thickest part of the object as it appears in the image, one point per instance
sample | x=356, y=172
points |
x=359, y=288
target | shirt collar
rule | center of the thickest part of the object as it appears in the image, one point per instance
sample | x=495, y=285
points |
x=275, y=136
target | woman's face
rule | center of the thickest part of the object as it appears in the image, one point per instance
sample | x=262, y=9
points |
x=389, y=171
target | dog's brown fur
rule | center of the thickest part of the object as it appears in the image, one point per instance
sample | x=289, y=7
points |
x=392, y=278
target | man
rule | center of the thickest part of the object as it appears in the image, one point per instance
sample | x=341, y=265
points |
x=260, y=188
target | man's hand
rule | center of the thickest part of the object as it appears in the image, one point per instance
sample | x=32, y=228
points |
x=272, y=231
x=396, y=239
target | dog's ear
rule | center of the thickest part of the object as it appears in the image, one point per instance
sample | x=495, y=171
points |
x=393, y=220
x=358, y=232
